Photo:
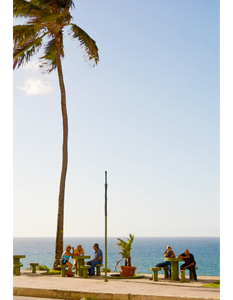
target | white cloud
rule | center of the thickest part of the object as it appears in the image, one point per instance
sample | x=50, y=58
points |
x=35, y=87
x=32, y=66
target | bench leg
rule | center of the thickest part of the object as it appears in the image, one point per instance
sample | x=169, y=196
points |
x=190, y=274
x=155, y=275
x=85, y=273
x=17, y=271
x=165, y=271
x=97, y=271
x=182, y=276
x=63, y=270
x=33, y=269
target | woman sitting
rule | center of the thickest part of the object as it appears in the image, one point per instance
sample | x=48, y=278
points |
x=167, y=253
x=78, y=251
x=65, y=259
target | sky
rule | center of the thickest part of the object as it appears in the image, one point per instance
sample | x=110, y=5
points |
x=148, y=114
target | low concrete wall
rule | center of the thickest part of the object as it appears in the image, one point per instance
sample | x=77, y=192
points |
x=59, y=294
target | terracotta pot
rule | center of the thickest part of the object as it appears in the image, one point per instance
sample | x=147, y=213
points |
x=133, y=269
x=127, y=271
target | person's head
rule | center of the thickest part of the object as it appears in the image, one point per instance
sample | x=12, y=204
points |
x=79, y=247
x=68, y=247
x=169, y=247
x=186, y=252
x=96, y=246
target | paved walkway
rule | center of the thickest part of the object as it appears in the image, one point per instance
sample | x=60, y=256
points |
x=55, y=286
x=32, y=298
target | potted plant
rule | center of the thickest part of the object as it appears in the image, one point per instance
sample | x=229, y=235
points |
x=125, y=247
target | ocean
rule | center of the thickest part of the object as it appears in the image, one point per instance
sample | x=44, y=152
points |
x=146, y=251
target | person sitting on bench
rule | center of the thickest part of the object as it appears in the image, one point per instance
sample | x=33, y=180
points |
x=65, y=259
x=189, y=262
x=167, y=253
x=98, y=258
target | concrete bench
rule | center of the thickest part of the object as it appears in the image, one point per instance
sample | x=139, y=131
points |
x=156, y=269
x=98, y=269
x=34, y=265
x=85, y=268
x=17, y=269
x=63, y=269
x=155, y=273
x=182, y=274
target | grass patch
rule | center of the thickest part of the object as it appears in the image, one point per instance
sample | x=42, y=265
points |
x=52, y=272
x=215, y=284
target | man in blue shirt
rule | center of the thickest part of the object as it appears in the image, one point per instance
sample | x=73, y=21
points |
x=98, y=259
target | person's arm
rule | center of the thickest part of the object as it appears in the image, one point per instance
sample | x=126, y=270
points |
x=71, y=254
x=190, y=265
x=181, y=256
x=99, y=258
x=172, y=254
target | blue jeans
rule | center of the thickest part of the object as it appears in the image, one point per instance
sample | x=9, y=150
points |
x=92, y=264
x=165, y=264
x=192, y=268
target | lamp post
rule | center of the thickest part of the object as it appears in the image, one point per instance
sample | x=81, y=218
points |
x=106, y=187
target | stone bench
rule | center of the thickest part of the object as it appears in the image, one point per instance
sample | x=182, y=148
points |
x=155, y=272
x=85, y=268
x=182, y=274
x=98, y=269
x=63, y=269
x=17, y=269
x=34, y=265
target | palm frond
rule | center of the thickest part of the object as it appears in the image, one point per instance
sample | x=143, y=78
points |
x=24, y=33
x=49, y=20
x=58, y=4
x=23, y=53
x=87, y=44
x=23, y=8
x=47, y=17
x=50, y=56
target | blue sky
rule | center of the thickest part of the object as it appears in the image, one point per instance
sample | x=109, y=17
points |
x=148, y=113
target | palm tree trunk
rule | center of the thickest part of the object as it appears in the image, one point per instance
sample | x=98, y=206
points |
x=60, y=216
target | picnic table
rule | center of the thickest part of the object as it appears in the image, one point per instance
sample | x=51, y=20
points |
x=174, y=267
x=80, y=262
x=16, y=261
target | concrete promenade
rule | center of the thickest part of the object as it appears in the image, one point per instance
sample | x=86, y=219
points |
x=55, y=286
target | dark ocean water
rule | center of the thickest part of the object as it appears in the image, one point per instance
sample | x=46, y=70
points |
x=146, y=252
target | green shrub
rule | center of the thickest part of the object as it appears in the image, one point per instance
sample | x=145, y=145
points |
x=108, y=270
x=42, y=268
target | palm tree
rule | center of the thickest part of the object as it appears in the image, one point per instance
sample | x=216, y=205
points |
x=46, y=20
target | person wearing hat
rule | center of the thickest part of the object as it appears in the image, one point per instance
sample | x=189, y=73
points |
x=98, y=259
x=167, y=253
